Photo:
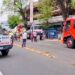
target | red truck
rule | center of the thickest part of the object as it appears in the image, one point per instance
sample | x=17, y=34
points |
x=68, y=36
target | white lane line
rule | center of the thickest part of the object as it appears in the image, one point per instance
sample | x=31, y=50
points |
x=1, y=73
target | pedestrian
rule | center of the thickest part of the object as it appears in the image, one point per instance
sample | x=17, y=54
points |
x=15, y=36
x=41, y=36
x=12, y=37
x=24, y=39
x=18, y=36
x=35, y=36
x=31, y=36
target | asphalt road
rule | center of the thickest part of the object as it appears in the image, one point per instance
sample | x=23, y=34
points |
x=39, y=58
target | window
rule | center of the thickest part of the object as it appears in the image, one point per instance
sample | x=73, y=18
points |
x=68, y=25
x=74, y=23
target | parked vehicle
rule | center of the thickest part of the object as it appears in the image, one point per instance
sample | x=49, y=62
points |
x=6, y=42
x=68, y=36
x=35, y=28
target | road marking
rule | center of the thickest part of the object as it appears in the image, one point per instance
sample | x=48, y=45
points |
x=1, y=73
x=47, y=54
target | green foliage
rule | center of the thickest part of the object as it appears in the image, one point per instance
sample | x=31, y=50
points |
x=17, y=6
x=14, y=21
x=46, y=7
x=5, y=2
x=14, y=4
x=0, y=26
x=73, y=3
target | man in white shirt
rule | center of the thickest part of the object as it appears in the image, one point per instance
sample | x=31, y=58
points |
x=24, y=39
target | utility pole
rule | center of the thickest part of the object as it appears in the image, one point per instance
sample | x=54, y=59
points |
x=31, y=11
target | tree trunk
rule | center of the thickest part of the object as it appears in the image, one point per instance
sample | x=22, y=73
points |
x=22, y=13
x=64, y=8
x=47, y=23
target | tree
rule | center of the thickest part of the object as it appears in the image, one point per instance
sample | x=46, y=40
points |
x=73, y=4
x=0, y=26
x=46, y=7
x=18, y=6
x=14, y=21
x=65, y=6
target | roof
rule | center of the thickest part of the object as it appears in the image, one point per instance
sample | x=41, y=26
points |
x=71, y=17
x=56, y=19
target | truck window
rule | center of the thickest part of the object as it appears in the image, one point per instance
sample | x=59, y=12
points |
x=74, y=23
x=68, y=25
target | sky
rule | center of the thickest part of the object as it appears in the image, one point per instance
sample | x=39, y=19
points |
x=4, y=16
x=35, y=0
x=1, y=2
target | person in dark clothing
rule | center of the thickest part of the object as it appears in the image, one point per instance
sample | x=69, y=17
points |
x=41, y=36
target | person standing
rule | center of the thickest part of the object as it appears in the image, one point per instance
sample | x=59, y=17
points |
x=31, y=36
x=24, y=39
x=41, y=36
x=35, y=36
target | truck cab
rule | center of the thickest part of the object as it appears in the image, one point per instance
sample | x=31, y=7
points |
x=69, y=32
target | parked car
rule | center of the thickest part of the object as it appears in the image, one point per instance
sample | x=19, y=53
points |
x=6, y=42
x=35, y=28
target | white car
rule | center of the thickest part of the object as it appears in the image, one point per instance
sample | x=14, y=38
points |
x=35, y=28
x=6, y=42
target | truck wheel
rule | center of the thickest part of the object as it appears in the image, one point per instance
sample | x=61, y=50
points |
x=70, y=43
x=5, y=52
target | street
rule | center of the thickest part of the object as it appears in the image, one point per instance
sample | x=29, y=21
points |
x=50, y=24
x=39, y=58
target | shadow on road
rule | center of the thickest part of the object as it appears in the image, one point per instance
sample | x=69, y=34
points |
x=3, y=57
